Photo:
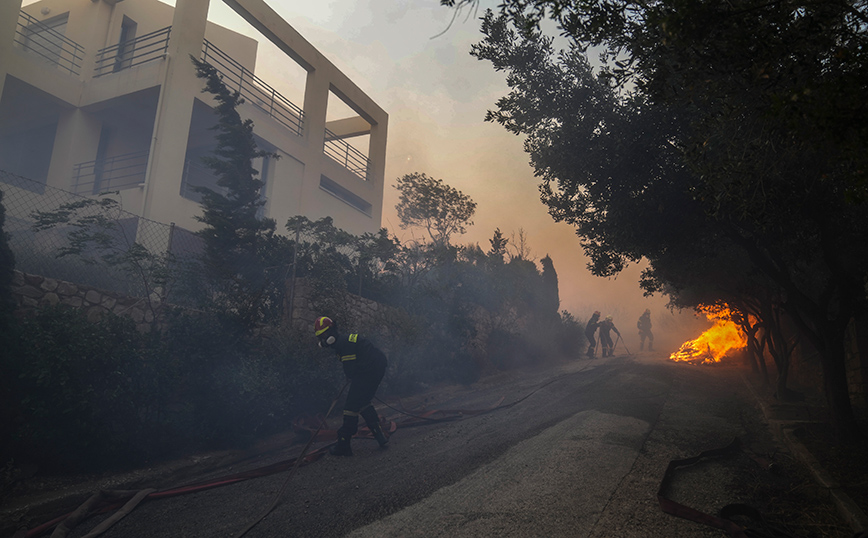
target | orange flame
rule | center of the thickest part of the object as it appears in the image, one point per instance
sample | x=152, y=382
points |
x=712, y=345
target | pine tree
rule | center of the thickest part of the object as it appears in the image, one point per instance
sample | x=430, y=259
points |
x=551, y=298
x=234, y=234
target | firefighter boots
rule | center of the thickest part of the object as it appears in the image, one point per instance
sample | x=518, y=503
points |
x=345, y=434
x=373, y=422
x=342, y=447
x=379, y=435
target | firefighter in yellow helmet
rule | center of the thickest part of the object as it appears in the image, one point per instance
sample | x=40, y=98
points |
x=606, y=342
x=364, y=365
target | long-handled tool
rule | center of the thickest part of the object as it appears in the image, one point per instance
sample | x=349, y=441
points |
x=297, y=462
x=622, y=341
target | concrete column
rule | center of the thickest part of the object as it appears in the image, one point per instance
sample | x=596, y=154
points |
x=316, y=98
x=377, y=156
x=9, y=10
x=161, y=200
x=75, y=141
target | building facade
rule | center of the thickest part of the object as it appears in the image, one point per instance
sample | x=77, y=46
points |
x=101, y=95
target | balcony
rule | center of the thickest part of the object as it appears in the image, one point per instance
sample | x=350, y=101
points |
x=110, y=174
x=36, y=37
x=143, y=49
x=254, y=90
x=346, y=155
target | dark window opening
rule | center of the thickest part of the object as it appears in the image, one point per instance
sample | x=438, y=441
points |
x=345, y=195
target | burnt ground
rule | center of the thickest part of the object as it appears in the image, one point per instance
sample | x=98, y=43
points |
x=581, y=453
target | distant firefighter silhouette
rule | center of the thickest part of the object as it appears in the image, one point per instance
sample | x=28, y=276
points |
x=644, y=326
x=590, y=329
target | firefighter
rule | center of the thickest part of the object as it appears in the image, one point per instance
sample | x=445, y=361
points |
x=644, y=326
x=606, y=342
x=364, y=365
x=590, y=328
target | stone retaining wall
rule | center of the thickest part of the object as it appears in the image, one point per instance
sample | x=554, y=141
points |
x=304, y=313
x=32, y=292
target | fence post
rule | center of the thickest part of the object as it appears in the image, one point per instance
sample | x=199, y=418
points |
x=292, y=278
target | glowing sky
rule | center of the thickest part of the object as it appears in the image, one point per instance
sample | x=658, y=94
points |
x=436, y=96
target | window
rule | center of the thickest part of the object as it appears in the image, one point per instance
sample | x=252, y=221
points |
x=345, y=195
x=126, y=46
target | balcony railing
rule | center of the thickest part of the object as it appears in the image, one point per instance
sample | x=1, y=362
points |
x=254, y=90
x=143, y=49
x=47, y=42
x=346, y=155
x=113, y=173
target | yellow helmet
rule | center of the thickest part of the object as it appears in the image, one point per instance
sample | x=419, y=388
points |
x=322, y=324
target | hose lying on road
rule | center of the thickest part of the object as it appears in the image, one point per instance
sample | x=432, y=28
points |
x=294, y=467
x=106, y=501
x=761, y=529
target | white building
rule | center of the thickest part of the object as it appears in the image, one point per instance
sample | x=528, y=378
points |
x=101, y=95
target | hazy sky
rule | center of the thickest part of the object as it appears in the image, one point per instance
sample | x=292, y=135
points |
x=405, y=55
x=402, y=55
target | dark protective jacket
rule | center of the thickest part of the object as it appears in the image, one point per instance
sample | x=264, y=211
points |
x=359, y=357
x=644, y=323
x=607, y=325
x=592, y=325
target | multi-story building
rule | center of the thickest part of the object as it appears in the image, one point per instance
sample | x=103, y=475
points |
x=101, y=95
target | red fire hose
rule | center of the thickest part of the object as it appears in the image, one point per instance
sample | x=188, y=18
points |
x=107, y=501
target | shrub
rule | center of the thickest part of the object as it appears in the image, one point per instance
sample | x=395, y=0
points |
x=83, y=387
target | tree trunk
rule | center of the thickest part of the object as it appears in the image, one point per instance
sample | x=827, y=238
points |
x=837, y=391
x=755, y=350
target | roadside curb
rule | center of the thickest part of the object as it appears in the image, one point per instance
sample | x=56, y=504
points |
x=784, y=431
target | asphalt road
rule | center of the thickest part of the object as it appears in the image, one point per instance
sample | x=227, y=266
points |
x=581, y=453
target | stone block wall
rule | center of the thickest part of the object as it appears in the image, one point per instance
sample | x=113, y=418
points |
x=32, y=292
x=304, y=313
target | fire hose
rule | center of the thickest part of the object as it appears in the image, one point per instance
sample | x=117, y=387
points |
x=294, y=467
x=124, y=501
x=762, y=528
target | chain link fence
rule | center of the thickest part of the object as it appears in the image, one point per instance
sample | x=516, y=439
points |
x=94, y=241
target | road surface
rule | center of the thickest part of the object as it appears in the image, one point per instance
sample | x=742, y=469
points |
x=581, y=454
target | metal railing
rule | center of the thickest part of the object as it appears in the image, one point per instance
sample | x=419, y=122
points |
x=254, y=90
x=346, y=155
x=143, y=49
x=113, y=173
x=47, y=42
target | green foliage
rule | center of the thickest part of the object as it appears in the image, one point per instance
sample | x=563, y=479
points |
x=498, y=246
x=96, y=235
x=7, y=266
x=236, y=238
x=92, y=395
x=729, y=126
x=432, y=204
x=79, y=383
x=549, y=297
